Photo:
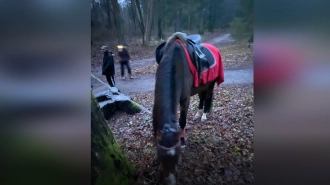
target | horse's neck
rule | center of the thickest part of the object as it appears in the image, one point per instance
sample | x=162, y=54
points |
x=169, y=107
x=169, y=98
x=168, y=84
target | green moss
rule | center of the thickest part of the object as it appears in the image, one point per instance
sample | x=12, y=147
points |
x=134, y=105
x=112, y=175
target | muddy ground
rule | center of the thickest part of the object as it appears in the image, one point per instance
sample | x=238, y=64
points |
x=220, y=150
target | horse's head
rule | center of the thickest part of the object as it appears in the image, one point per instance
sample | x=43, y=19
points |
x=169, y=136
x=168, y=150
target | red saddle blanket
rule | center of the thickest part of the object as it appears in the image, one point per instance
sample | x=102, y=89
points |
x=211, y=73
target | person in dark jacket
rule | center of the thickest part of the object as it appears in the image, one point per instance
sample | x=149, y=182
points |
x=108, y=67
x=124, y=61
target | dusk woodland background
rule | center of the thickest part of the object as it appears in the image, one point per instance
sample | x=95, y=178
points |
x=220, y=150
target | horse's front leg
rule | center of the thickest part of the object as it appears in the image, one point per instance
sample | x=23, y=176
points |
x=184, y=105
x=168, y=172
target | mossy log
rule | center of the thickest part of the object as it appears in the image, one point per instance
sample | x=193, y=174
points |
x=109, y=164
x=110, y=102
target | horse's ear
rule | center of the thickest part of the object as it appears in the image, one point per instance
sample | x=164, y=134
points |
x=159, y=52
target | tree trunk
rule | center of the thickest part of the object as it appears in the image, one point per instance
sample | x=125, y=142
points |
x=201, y=23
x=109, y=164
x=178, y=26
x=109, y=14
x=190, y=23
x=175, y=22
x=160, y=31
x=159, y=19
x=211, y=16
x=133, y=15
x=149, y=21
x=94, y=13
x=144, y=7
x=137, y=5
x=152, y=26
x=118, y=23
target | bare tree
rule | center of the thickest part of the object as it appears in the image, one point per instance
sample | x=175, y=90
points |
x=132, y=13
x=201, y=22
x=149, y=21
x=159, y=21
x=117, y=21
x=139, y=15
x=107, y=7
x=178, y=22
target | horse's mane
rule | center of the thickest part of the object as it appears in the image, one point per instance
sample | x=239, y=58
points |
x=166, y=83
x=177, y=35
x=168, y=89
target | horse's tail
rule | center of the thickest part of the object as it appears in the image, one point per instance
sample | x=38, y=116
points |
x=177, y=35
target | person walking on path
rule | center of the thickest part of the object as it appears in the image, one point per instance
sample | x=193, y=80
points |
x=108, y=67
x=124, y=61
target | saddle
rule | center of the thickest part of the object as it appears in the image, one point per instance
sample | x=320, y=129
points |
x=200, y=56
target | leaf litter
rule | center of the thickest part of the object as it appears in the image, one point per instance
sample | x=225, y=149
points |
x=237, y=56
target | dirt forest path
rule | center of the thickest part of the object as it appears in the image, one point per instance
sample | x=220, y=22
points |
x=146, y=83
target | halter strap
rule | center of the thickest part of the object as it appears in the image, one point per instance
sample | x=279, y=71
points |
x=173, y=147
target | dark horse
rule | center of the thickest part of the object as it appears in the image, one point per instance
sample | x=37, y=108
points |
x=174, y=86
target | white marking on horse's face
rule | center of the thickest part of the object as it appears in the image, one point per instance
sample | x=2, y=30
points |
x=203, y=117
x=171, y=152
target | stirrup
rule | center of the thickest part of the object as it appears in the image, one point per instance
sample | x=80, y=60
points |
x=199, y=53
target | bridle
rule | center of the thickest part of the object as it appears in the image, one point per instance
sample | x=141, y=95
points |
x=171, y=148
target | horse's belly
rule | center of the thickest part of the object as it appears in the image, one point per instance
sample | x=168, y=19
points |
x=200, y=88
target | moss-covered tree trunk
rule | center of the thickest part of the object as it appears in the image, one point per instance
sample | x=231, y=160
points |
x=109, y=164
